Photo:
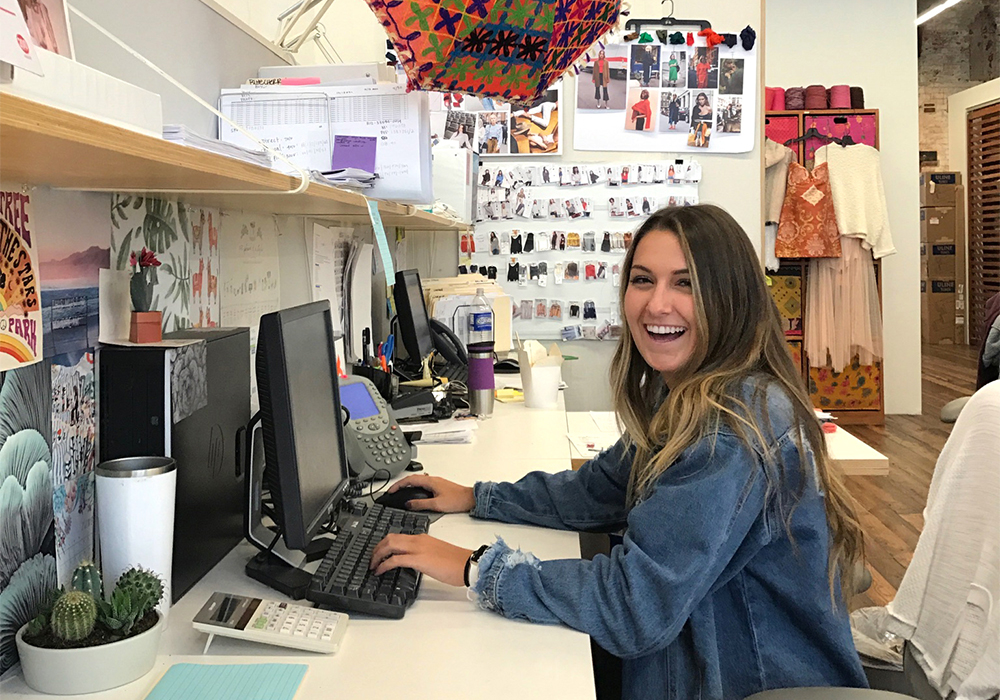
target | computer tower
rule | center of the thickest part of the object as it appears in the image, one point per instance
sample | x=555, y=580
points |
x=136, y=419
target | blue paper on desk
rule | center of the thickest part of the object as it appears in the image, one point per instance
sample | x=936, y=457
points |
x=229, y=682
x=354, y=152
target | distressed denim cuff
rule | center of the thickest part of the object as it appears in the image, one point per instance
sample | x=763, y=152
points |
x=495, y=561
x=483, y=490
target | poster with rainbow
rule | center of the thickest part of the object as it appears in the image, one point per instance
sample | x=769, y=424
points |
x=20, y=308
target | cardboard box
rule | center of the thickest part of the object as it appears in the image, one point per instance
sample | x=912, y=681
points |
x=939, y=189
x=942, y=261
x=942, y=312
x=940, y=224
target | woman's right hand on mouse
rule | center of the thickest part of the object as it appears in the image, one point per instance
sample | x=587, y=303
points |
x=449, y=497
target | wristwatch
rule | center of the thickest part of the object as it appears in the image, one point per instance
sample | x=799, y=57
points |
x=472, y=565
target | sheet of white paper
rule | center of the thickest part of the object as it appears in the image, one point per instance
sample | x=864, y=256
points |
x=168, y=343
x=323, y=262
x=249, y=284
x=361, y=297
x=115, y=306
x=591, y=445
x=444, y=426
x=297, y=126
x=605, y=421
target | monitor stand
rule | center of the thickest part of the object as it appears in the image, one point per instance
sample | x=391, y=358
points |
x=276, y=566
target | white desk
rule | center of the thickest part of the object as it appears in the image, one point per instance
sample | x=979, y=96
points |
x=444, y=647
x=854, y=457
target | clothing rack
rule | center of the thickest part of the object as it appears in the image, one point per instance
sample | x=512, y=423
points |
x=804, y=131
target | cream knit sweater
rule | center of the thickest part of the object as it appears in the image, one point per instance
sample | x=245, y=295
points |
x=858, y=195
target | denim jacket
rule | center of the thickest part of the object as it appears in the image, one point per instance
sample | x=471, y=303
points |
x=707, y=597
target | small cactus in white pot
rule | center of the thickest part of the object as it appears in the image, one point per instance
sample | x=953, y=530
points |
x=82, y=643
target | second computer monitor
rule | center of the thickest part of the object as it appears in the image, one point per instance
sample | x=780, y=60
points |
x=305, y=458
x=411, y=311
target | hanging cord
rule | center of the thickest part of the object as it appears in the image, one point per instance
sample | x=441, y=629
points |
x=301, y=173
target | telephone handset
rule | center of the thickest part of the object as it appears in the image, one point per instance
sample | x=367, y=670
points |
x=447, y=344
x=374, y=442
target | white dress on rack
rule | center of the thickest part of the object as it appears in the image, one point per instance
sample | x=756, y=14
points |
x=843, y=317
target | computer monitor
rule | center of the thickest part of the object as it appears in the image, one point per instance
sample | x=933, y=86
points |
x=411, y=312
x=305, y=459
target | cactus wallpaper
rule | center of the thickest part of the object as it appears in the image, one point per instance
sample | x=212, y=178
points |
x=27, y=548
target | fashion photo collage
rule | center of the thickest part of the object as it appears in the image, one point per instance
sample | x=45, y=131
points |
x=666, y=89
x=492, y=127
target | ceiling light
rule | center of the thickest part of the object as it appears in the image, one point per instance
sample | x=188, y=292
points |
x=936, y=10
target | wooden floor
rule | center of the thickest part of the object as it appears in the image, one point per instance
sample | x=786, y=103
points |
x=891, y=506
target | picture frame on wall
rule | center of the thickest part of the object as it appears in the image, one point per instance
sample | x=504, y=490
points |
x=48, y=25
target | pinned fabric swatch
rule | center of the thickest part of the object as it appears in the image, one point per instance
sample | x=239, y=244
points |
x=663, y=35
x=645, y=38
x=748, y=36
x=729, y=39
x=690, y=39
x=677, y=38
x=711, y=37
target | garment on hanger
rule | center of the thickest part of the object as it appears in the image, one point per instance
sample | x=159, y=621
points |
x=843, y=318
x=771, y=262
x=808, y=227
x=776, y=160
x=858, y=194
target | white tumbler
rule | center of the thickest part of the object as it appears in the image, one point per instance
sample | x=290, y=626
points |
x=135, y=518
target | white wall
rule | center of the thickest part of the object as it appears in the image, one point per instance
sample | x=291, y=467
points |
x=873, y=45
x=185, y=38
x=350, y=26
x=959, y=106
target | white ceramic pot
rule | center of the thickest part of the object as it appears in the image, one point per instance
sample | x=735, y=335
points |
x=91, y=669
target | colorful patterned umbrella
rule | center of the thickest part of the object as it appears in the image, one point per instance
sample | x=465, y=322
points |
x=511, y=49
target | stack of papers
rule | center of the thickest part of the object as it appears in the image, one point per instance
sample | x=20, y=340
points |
x=454, y=431
x=345, y=177
x=178, y=133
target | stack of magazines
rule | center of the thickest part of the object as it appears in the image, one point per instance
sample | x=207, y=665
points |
x=178, y=133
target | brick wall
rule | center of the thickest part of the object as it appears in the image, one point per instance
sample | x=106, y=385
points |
x=944, y=70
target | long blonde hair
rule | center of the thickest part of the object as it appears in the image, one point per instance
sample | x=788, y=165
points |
x=738, y=336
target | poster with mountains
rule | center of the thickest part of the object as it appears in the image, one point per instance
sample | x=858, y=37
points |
x=70, y=303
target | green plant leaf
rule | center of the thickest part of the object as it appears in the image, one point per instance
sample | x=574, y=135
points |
x=158, y=223
x=123, y=254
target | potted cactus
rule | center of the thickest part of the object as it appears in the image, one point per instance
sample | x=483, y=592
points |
x=84, y=641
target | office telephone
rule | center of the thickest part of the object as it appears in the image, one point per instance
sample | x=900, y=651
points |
x=374, y=442
x=447, y=344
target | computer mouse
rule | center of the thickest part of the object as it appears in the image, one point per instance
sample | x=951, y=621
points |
x=508, y=366
x=398, y=499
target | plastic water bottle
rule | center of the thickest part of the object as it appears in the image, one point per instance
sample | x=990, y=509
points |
x=480, y=347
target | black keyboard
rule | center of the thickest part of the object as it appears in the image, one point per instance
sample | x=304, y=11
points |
x=343, y=580
x=453, y=373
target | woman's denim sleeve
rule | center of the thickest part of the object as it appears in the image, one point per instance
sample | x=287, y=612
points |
x=591, y=498
x=679, y=542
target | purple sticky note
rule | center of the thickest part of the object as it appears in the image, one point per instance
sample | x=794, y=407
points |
x=354, y=152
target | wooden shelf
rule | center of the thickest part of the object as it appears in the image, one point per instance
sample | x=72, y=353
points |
x=44, y=145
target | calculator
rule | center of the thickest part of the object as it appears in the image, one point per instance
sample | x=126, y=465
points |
x=271, y=622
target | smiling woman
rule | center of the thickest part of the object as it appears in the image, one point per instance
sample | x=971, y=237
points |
x=727, y=582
